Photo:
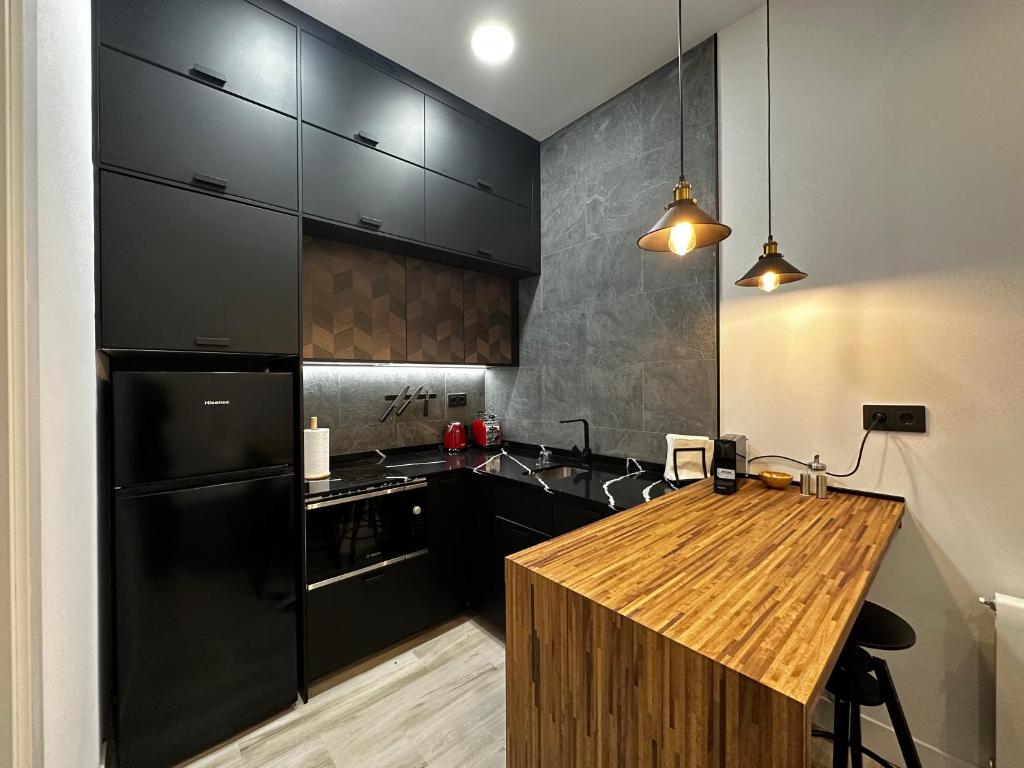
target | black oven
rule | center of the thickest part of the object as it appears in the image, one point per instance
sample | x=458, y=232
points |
x=365, y=530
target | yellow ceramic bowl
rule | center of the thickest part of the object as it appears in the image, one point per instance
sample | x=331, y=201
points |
x=776, y=479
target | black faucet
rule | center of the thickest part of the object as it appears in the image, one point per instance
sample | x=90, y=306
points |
x=586, y=438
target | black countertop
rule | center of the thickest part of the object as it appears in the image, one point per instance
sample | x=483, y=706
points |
x=606, y=482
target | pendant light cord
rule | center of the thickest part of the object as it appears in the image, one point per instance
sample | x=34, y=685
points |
x=768, y=69
x=682, y=129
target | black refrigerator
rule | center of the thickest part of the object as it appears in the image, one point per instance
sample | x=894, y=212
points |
x=204, y=559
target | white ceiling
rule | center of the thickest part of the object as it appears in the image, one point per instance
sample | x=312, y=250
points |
x=570, y=55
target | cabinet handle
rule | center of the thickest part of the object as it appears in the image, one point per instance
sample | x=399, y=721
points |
x=367, y=138
x=484, y=184
x=212, y=341
x=373, y=577
x=370, y=221
x=210, y=181
x=485, y=252
x=210, y=75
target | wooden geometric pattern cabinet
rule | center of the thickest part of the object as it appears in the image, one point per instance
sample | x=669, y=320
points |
x=434, y=313
x=353, y=303
x=488, y=319
x=359, y=304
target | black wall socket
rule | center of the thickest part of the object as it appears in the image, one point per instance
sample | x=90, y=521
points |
x=896, y=418
x=457, y=400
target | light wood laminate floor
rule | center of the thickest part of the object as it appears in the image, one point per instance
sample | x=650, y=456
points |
x=435, y=702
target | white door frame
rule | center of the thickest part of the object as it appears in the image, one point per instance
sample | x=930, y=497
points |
x=20, y=646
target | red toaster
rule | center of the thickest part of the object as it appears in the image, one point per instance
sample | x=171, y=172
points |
x=486, y=430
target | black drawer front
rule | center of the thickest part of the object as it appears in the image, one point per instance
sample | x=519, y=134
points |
x=181, y=270
x=365, y=613
x=230, y=44
x=349, y=183
x=353, y=99
x=460, y=147
x=468, y=220
x=154, y=121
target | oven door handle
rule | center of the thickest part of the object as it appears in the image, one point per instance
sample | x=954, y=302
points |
x=370, y=495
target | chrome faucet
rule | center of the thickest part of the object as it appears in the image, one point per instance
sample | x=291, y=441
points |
x=586, y=438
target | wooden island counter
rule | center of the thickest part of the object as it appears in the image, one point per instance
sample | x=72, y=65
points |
x=695, y=630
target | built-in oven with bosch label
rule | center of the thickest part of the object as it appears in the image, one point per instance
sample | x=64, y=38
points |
x=367, y=573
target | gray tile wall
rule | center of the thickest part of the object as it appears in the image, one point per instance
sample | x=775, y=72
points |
x=624, y=338
x=350, y=399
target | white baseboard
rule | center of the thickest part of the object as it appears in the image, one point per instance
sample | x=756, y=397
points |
x=880, y=738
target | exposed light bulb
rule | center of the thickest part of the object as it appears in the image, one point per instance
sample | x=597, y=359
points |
x=682, y=239
x=768, y=282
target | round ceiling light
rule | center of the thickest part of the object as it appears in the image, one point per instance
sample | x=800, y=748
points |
x=492, y=43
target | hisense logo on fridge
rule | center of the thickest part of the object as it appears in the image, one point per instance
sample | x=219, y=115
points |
x=216, y=402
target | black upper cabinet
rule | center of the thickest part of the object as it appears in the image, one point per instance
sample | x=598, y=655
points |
x=460, y=147
x=475, y=222
x=345, y=182
x=155, y=121
x=230, y=44
x=358, y=101
x=185, y=271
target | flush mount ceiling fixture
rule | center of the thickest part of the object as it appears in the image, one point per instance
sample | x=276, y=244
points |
x=492, y=43
x=683, y=226
x=771, y=270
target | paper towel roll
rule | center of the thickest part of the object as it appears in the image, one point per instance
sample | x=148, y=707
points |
x=316, y=451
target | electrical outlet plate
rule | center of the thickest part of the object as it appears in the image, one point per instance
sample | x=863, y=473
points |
x=457, y=400
x=898, y=418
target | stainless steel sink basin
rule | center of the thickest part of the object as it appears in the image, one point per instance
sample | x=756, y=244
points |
x=558, y=473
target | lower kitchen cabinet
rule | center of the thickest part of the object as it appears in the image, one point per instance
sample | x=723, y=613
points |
x=510, y=517
x=571, y=513
x=449, y=543
x=364, y=613
x=507, y=538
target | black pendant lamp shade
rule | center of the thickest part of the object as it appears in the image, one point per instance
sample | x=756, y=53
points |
x=771, y=270
x=683, y=226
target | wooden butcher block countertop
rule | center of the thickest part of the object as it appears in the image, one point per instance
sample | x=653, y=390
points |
x=763, y=582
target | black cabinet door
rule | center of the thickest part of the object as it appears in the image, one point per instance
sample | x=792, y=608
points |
x=365, y=613
x=508, y=538
x=182, y=270
x=475, y=222
x=355, y=185
x=460, y=147
x=571, y=513
x=230, y=44
x=450, y=542
x=155, y=121
x=358, y=101
x=528, y=505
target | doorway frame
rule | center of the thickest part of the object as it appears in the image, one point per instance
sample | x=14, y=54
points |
x=20, y=577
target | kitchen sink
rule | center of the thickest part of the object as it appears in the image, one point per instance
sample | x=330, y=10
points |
x=558, y=473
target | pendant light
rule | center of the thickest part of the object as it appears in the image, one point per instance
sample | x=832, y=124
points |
x=683, y=226
x=771, y=270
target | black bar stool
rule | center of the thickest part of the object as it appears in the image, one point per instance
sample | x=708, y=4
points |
x=862, y=680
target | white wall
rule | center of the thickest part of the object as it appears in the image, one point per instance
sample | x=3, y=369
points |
x=899, y=186
x=58, y=100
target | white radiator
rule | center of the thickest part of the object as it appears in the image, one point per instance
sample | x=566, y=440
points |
x=1009, y=681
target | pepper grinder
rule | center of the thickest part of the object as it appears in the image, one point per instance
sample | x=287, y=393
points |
x=820, y=478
